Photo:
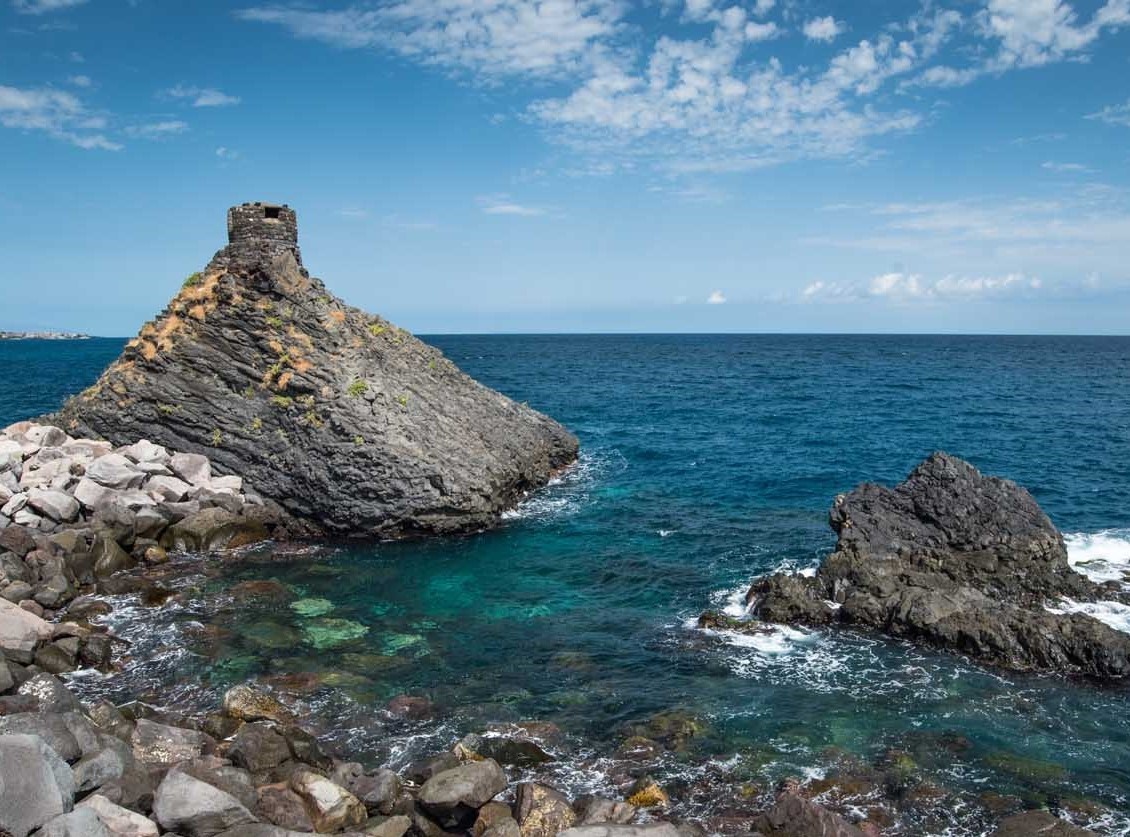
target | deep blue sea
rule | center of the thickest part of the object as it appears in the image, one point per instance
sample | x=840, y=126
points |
x=707, y=460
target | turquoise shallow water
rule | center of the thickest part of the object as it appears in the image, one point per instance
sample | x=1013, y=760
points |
x=707, y=460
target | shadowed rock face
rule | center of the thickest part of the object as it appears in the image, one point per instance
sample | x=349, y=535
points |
x=345, y=420
x=954, y=559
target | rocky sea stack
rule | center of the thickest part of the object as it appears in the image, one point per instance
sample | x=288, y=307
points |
x=348, y=422
x=954, y=559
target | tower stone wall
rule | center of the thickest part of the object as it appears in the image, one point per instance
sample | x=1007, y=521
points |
x=263, y=228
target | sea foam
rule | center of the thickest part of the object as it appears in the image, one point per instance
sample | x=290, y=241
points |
x=1101, y=556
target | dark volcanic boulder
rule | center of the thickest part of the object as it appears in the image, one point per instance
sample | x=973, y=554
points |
x=794, y=816
x=344, y=419
x=958, y=560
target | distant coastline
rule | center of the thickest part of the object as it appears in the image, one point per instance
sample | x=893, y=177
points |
x=43, y=335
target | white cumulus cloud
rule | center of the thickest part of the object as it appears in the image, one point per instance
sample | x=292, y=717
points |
x=904, y=287
x=716, y=298
x=1029, y=33
x=823, y=29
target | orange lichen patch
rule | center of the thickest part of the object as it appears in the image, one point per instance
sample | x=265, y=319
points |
x=276, y=346
x=337, y=316
x=300, y=337
x=264, y=305
x=157, y=337
x=284, y=380
x=198, y=312
x=202, y=291
x=301, y=365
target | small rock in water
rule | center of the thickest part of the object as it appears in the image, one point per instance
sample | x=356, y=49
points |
x=646, y=793
x=248, y=704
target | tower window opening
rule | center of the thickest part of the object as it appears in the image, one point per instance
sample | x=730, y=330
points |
x=271, y=212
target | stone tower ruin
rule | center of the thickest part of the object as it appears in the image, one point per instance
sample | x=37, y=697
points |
x=262, y=229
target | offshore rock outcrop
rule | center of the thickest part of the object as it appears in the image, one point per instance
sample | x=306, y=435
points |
x=954, y=559
x=345, y=420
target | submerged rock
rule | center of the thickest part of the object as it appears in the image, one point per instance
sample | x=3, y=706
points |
x=326, y=633
x=958, y=560
x=344, y=419
x=247, y=704
x=1039, y=824
x=794, y=816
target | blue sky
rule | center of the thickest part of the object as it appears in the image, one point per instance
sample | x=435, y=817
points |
x=580, y=165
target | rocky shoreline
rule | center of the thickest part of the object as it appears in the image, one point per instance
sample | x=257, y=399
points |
x=248, y=768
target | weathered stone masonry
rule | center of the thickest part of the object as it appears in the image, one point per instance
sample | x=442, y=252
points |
x=263, y=227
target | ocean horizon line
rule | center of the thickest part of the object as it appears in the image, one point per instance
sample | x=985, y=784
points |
x=971, y=334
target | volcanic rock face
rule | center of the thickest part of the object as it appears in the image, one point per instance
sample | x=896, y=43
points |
x=344, y=419
x=958, y=560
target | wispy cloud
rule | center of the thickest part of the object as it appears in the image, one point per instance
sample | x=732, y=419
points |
x=1113, y=114
x=225, y=153
x=1066, y=168
x=503, y=205
x=694, y=193
x=81, y=81
x=716, y=298
x=1084, y=228
x=201, y=97
x=57, y=113
x=39, y=7
x=488, y=38
x=1039, y=138
x=157, y=130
